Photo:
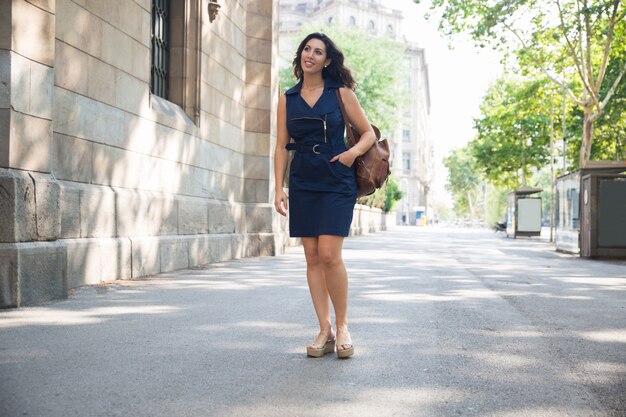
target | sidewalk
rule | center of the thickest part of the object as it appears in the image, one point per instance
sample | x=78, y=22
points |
x=445, y=322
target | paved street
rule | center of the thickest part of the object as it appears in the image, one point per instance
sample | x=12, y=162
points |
x=446, y=322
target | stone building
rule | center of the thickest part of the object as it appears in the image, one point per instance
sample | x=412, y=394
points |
x=412, y=147
x=136, y=137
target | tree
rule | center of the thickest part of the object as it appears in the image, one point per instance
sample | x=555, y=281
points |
x=572, y=42
x=512, y=132
x=463, y=181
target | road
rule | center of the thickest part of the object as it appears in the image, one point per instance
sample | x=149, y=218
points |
x=445, y=322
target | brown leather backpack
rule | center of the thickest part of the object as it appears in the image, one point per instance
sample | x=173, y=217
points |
x=372, y=168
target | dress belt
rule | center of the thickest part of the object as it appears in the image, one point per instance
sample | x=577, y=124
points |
x=316, y=148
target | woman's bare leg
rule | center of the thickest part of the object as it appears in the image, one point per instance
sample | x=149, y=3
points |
x=317, y=286
x=329, y=252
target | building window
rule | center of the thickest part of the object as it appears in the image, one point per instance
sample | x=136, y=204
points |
x=176, y=49
x=159, y=80
x=330, y=20
x=371, y=26
x=352, y=21
x=406, y=161
x=406, y=135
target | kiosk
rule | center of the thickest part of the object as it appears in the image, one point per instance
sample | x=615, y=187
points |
x=591, y=203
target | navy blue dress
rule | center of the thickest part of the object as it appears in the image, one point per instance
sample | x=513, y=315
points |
x=322, y=194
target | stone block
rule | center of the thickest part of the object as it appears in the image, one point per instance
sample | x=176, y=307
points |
x=18, y=213
x=97, y=212
x=257, y=144
x=70, y=211
x=77, y=167
x=259, y=218
x=238, y=246
x=41, y=83
x=30, y=143
x=268, y=244
x=20, y=83
x=107, y=124
x=174, y=253
x=140, y=65
x=101, y=81
x=257, y=120
x=259, y=50
x=117, y=48
x=130, y=14
x=47, y=5
x=167, y=223
x=145, y=253
x=5, y=79
x=131, y=94
x=257, y=97
x=256, y=167
x=83, y=262
x=115, y=259
x=258, y=73
x=9, y=295
x=33, y=32
x=79, y=27
x=6, y=24
x=221, y=218
x=258, y=26
x=204, y=250
x=5, y=136
x=41, y=272
x=261, y=7
x=47, y=202
x=256, y=191
x=115, y=167
x=252, y=245
x=192, y=217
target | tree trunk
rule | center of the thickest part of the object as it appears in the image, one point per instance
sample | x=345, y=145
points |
x=585, y=146
x=470, y=203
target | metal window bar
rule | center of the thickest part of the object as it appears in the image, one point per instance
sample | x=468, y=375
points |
x=160, y=48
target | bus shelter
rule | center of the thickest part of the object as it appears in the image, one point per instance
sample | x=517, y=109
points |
x=523, y=212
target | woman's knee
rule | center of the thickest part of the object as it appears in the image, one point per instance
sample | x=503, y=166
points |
x=328, y=256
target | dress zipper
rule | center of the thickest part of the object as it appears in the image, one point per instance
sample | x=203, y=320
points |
x=315, y=118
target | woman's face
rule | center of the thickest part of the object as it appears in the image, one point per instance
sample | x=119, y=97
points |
x=313, y=58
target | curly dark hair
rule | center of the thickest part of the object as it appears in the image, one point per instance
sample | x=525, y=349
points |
x=335, y=70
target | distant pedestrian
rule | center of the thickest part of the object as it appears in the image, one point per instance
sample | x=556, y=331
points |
x=322, y=184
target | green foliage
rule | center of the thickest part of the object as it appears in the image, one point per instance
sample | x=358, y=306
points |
x=496, y=204
x=463, y=182
x=394, y=194
x=512, y=132
x=580, y=45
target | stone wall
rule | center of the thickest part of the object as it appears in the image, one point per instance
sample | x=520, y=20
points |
x=100, y=179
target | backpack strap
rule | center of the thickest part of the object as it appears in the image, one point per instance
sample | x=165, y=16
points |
x=351, y=139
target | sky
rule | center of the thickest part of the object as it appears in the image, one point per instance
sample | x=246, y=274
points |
x=458, y=77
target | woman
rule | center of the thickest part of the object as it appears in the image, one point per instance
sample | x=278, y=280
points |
x=322, y=185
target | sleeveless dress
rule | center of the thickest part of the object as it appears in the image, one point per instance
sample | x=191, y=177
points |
x=322, y=194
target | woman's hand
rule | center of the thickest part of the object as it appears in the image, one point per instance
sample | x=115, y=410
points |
x=347, y=158
x=281, y=202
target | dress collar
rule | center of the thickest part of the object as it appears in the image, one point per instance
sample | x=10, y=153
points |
x=329, y=83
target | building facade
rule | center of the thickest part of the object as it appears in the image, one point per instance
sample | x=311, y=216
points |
x=117, y=161
x=412, y=147
x=136, y=137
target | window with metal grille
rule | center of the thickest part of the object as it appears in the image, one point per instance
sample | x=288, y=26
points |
x=160, y=47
